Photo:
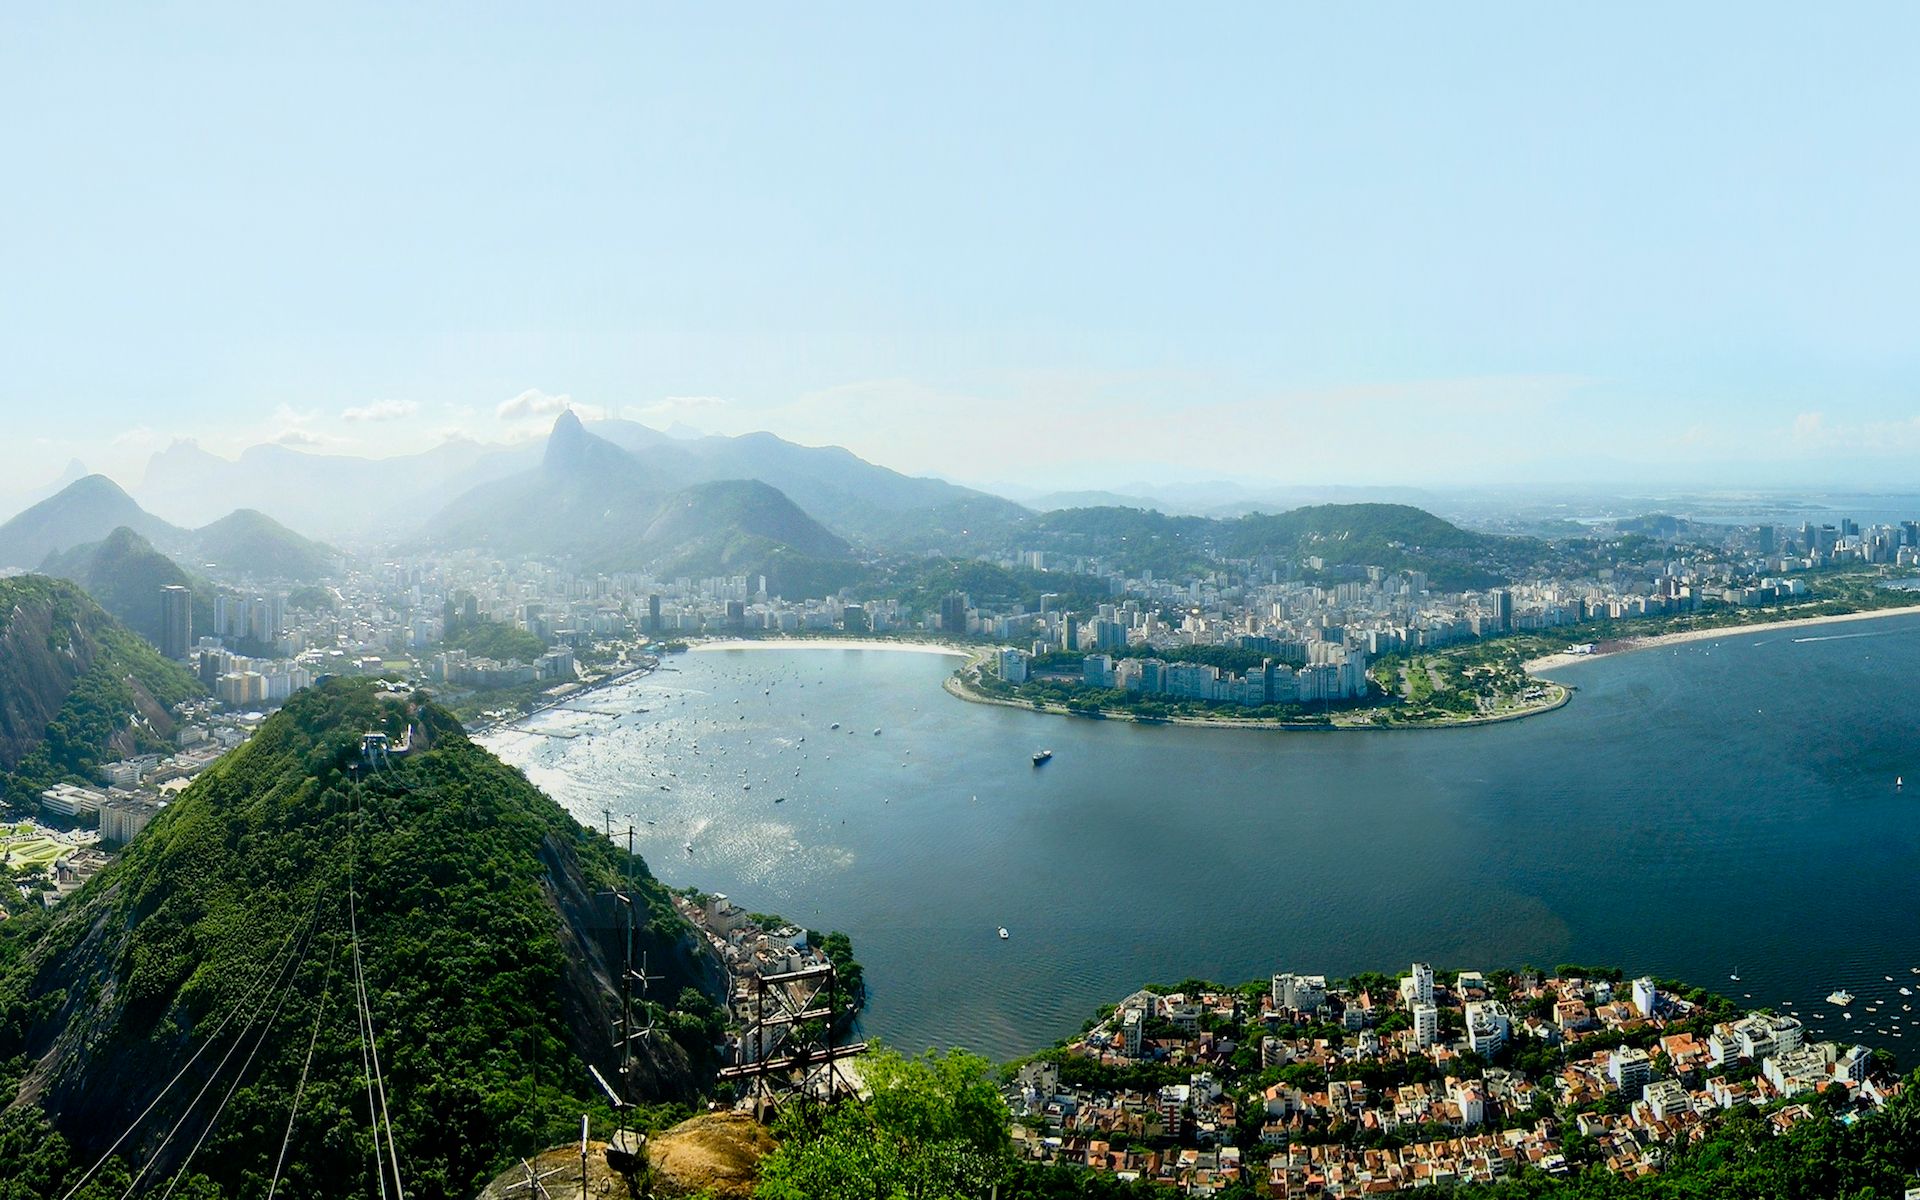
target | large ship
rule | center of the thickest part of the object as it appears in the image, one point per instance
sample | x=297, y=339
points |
x=1843, y=997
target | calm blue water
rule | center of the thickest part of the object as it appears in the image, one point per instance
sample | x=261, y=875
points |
x=1696, y=809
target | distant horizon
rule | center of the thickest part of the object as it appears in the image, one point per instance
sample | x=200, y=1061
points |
x=1187, y=491
x=996, y=243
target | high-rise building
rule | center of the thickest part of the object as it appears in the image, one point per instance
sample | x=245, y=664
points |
x=1630, y=1069
x=953, y=612
x=1426, y=1025
x=1502, y=602
x=1419, y=985
x=176, y=621
x=653, y=613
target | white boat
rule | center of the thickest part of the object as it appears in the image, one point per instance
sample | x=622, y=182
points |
x=1003, y=933
x=1841, y=996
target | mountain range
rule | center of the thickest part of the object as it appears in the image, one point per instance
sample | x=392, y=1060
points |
x=242, y=544
x=393, y=499
x=615, y=495
x=596, y=503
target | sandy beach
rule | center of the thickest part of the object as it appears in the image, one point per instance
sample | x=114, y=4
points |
x=946, y=650
x=1552, y=662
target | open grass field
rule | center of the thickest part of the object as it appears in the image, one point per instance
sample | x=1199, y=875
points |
x=24, y=846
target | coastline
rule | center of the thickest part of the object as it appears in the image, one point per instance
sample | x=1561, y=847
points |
x=955, y=685
x=1553, y=662
x=944, y=649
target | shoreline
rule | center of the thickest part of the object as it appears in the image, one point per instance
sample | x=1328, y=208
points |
x=1627, y=645
x=956, y=686
x=944, y=649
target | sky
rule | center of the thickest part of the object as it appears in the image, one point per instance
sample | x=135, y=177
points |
x=1073, y=243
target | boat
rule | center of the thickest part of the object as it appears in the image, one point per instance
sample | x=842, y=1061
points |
x=1841, y=996
x=835, y=725
x=1003, y=933
x=876, y=733
x=1736, y=975
x=1041, y=756
x=689, y=847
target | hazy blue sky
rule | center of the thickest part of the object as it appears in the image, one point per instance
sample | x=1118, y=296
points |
x=1417, y=242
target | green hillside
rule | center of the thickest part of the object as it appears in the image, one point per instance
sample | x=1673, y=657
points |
x=486, y=967
x=77, y=688
x=124, y=575
x=252, y=544
x=86, y=510
x=1394, y=536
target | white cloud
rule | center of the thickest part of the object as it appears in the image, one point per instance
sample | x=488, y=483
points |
x=533, y=403
x=381, y=410
x=140, y=436
x=1897, y=435
x=286, y=414
x=299, y=437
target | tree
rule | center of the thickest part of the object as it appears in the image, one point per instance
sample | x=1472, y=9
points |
x=931, y=1128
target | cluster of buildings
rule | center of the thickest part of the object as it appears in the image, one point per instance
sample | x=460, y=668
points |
x=1356, y=1091
x=130, y=792
x=1312, y=672
x=457, y=667
x=752, y=953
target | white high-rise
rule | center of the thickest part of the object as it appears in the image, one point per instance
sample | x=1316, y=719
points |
x=1426, y=1025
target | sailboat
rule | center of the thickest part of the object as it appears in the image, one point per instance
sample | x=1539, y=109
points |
x=1736, y=973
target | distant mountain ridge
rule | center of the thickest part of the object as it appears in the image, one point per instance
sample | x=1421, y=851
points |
x=386, y=500
x=336, y=496
x=592, y=502
x=861, y=500
x=1394, y=536
x=243, y=543
x=86, y=510
x=249, y=542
